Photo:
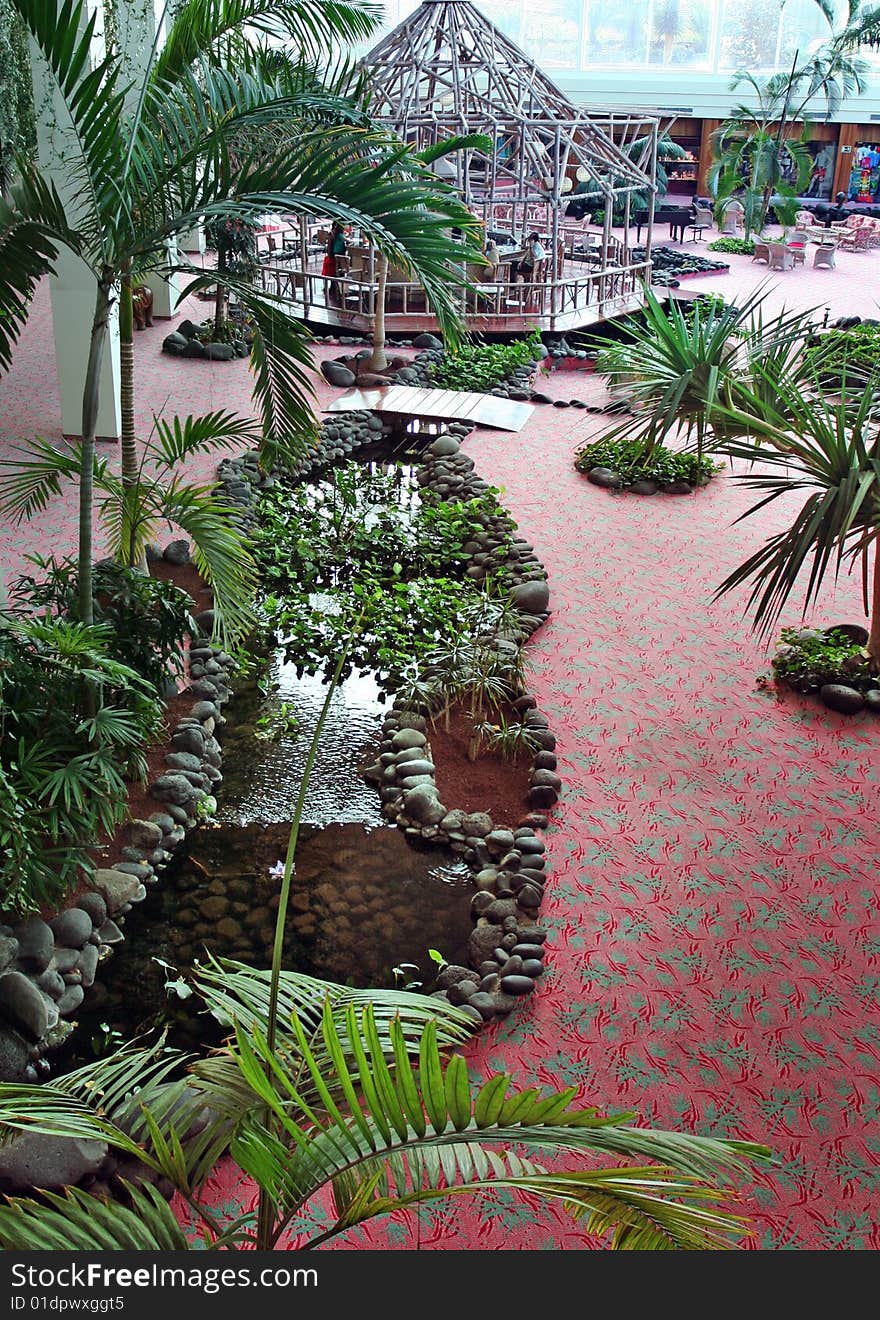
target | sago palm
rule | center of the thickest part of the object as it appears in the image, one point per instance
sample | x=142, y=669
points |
x=146, y=174
x=360, y=1094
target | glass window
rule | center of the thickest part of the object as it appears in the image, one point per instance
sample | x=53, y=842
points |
x=749, y=34
x=551, y=33
x=616, y=32
x=681, y=33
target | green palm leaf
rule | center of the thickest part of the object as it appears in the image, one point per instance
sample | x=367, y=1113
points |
x=78, y=1221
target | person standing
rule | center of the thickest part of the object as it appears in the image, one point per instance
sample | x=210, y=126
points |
x=335, y=249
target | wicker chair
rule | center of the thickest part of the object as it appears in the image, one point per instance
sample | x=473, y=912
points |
x=824, y=256
x=761, y=253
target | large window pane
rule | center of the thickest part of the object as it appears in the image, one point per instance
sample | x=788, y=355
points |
x=617, y=31
x=749, y=30
x=551, y=32
x=681, y=33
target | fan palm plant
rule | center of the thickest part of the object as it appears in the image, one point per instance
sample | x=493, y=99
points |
x=147, y=175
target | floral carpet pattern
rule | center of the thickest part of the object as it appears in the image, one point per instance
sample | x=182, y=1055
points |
x=714, y=933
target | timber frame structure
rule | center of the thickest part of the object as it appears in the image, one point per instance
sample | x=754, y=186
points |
x=446, y=70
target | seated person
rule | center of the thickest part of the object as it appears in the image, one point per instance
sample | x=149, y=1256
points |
x=493, y=260
x=533, y=254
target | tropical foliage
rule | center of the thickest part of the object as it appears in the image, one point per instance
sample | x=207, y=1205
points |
x=474, y=366
x=154, y=157
x=133, y=507
x=358, y=1093
x=634, y=462
x=365, y=544
x=828, y=447
x=806, y=660
x=63, y=764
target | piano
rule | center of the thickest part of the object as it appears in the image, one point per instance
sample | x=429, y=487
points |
x=677, y=217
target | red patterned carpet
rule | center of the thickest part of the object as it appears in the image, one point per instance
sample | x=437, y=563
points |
x=714, y=931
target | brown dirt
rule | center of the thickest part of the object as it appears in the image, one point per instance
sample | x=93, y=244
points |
x=487, y=784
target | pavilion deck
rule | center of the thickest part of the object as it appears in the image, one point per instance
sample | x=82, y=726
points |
x=581, y=295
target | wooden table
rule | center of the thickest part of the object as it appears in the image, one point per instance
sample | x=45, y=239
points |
x=407, y=404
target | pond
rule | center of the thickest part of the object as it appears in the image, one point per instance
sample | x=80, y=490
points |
x=363, y=902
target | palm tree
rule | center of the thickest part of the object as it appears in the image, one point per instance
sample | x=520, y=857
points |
x=807, y=439
x=155, y=173
x=133, y=505
x=360, y=1091
x=754, y=147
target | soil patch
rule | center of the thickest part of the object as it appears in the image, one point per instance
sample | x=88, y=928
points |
x=490, y=783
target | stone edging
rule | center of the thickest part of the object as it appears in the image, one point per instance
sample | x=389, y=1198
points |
x=47, y=966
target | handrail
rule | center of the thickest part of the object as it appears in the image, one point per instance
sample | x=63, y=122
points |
x=348, y=297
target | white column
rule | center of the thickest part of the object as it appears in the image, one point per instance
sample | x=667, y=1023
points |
x=137, y=22
x=73, y=286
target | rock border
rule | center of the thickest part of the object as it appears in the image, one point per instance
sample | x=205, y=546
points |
x=46, y=967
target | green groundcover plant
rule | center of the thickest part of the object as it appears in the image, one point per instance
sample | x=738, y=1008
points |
x=479, y=367
x=634, y=462
x=743, y=247
x=806, y=660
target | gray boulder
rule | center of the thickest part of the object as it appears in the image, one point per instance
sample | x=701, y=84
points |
x=422, y=804
x=531, y=597
x=845, y=700
x=176, y=789
x=22, y=1005
x=444, y=447
x=72, y=928
x=36, y=943
x=14, y=1056
x=606, y=477
x=177, y=552
x=36, y=1160
x=427, y=341
x=175, y=344
x=220, y=352
x=337, y=374
x=116, y=888
x=145, y=834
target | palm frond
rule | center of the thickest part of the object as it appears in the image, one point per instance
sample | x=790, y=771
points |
x=425, y=1123
x=79, y=1221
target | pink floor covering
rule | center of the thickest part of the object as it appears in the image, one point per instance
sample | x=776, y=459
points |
x=714, y=934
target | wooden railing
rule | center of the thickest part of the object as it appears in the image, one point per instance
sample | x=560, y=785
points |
x=350, y=299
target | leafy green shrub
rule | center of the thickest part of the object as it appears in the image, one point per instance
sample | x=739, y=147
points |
x=483, y=366
x=743, y=247
x=629, y=459
x=854, y=353
x=807, y=661
x=147, y=619
x=362, y=543
x=72, y=724
x=707, y=304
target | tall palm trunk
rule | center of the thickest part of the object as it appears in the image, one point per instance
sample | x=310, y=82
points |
x=378, y=360
x=91, y=399
x=873, y=646
x=220, y=303
x=130, y=463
